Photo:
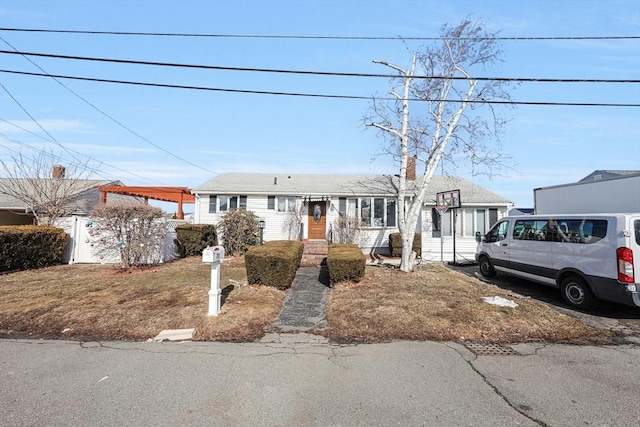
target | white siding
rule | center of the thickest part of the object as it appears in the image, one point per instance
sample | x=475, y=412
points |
x=373, y=240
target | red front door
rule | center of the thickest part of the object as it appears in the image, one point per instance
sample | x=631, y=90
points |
x=317, y=220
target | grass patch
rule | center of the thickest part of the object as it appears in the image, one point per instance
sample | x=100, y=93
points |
x=435, y=303
x=98, y=302
x=102, y=302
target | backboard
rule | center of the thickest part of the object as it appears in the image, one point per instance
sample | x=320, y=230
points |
x=446, y=200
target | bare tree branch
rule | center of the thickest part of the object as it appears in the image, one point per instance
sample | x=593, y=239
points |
x=447, y=132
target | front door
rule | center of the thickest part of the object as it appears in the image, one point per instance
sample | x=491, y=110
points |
x=317, y=220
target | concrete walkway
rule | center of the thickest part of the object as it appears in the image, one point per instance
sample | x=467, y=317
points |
x=304, y=306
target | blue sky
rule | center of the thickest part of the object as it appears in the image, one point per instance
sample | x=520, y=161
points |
x=161, y=136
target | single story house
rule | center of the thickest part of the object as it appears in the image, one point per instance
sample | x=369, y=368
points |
x=82, y=197
x=309, y=207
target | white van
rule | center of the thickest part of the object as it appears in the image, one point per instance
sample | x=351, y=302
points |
x=589, y=257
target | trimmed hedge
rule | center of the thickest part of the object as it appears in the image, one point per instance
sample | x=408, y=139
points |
x=345, y=262
x=24, y=247
x=395, y=244
x=274, y=264
x=191, y=239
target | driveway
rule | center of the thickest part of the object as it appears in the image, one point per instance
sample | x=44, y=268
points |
x=616, y=317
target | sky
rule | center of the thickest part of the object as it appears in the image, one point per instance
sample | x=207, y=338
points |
x=145, y=135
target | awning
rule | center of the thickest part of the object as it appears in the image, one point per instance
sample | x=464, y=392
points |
x=315, y=198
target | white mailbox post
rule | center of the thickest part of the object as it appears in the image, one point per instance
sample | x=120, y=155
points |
x=214, y=255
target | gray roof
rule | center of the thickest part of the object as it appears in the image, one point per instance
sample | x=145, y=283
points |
x=604, y=175
x=338, y=186
x=84, y=196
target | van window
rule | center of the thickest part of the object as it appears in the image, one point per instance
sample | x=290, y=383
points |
x=532, y=230
x=636, y=226
x=578, y=230
x=498, y=232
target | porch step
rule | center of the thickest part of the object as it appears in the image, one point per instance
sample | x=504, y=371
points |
x=315, y=252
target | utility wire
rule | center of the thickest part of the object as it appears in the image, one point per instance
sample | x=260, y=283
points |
x=97, y=171
x=55, y=141
x=315, y=73
x=304, y=37
x=108, y=116
x=314, y=95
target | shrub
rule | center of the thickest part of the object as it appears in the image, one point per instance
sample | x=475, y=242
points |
x=395, y=244
x=239, y=231
x=134, y=232
x=28, y=246
x=274, y=264
x=191, y=239
x=345, y=262
x=348, y=229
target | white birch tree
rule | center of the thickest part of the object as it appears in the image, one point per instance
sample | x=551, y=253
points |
x=452, y=116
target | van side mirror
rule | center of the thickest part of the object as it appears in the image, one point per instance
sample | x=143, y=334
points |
x=478, y=237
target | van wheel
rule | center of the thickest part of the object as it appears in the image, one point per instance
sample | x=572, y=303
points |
x=577, y=293
x=486, y=268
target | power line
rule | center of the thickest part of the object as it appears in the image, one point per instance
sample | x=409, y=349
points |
x=313, y=95
x=96, y=171
x=108, y=116
x=55, y=141
x=304, y=37
x=316, y=73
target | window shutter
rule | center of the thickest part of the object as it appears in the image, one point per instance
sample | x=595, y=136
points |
x=342, y=206
x=271, y=202
x=243, y=202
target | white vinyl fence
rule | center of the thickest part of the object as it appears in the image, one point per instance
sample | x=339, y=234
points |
x=81, y=241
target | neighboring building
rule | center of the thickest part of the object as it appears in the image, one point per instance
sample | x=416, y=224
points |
x=84, y=197
x=308, y=206
x=602, y=191
x=521, y=211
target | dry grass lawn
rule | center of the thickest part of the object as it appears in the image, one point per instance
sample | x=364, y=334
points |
x=102, y=302
x=96, y=302
x=435, y=303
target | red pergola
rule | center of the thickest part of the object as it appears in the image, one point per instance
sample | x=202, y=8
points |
x=177, y=195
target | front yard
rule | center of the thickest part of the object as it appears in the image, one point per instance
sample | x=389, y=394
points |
x=99, y=302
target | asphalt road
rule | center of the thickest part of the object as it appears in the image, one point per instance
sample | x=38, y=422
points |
x=608, y=315
x=302, y=380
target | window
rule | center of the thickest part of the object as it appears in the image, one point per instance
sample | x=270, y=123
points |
x=493, y=216
x=436, y=225
x=372, y=211
x=577, y=230
x=391, y=213
x=378, y=212
x=498, y=232
x=212, y=204
x=282, y=203
x=365, y=212
x=227, y=203
x=531, y=230
x=468, y=222
x=446, y=224
x=481, y=221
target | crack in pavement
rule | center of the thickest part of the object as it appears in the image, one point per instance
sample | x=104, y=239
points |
x=517, y=408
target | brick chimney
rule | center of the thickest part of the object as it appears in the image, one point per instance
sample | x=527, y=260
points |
x=58, y=172
x=411, y=168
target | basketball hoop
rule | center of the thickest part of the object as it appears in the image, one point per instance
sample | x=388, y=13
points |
x=442, y=209
x=446, y=200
